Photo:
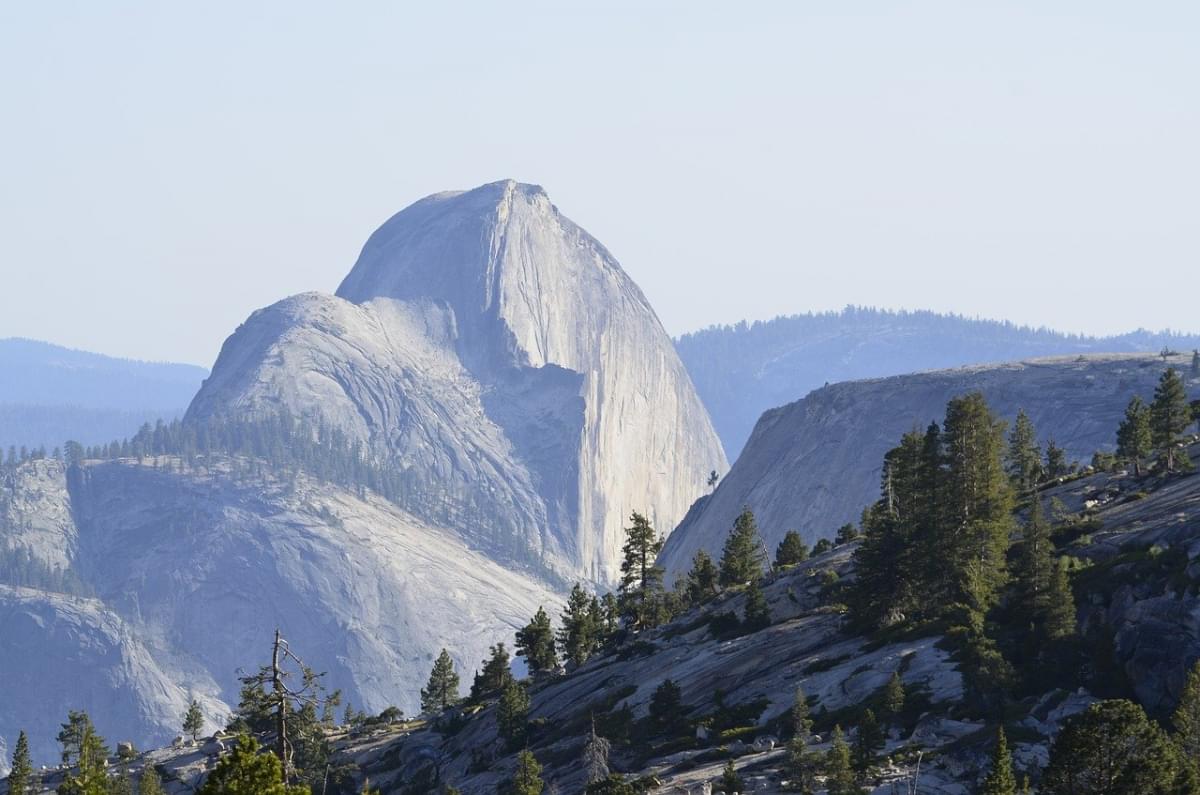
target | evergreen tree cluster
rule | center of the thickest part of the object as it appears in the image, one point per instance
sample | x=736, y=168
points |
x=939, y=534
x=286, y=442
x=20, y=568
x=1159, y=426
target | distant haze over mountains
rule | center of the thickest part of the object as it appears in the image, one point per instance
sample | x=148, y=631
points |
x=49, y=394
x=743, y=370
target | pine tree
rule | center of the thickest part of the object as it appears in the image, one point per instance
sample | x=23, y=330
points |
x=979, y=503
x=1056, y=460
x=666, y=707
x=889, y=565
x=791, y=550
x=245, y=771
x=894, y=697
x=839, y=774
x=528, y=778
x=801, y=764
x=120, y=784
x=595, y=756
x=1186, y=719
x=845, y=534
x=535, y=642
x=441, y=692
x=869, y=740
x=20, y=778
x=1112, y=748
x=731, y=782
x=91, y=774
x=71, y=736
x=1000, y=779
x=641, y=577
x=1134, y=440
x=193, y=720
x=578, y=635
x=495, y=675
x=757, y=613
x=702, y=579
x=1170, y=415
x=1024, y=457
x=512, y=714
x=1196, y=363
x=743, y=557
x=1043, y=589
x=150, y=783
x=1059, y=620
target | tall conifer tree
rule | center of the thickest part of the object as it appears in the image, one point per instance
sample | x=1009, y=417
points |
x=1134, y=440
x=702, y=579
x=442, y=690
x=528, y=778
x=743, y=558
x=641, y=577
x=801, y=764
x=1170, y=415
x=1000, y=779
x=979, y=502
x=535, y=642
x=1024, y=457
x=20, y=778
x=578, y=634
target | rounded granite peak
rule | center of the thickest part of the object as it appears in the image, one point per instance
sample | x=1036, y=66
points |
x=490, y=347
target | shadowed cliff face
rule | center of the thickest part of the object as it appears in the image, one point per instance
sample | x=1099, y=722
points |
x=498, y=354
x=813, y=465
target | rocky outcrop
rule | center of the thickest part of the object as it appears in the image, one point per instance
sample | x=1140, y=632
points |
x=498, y=355
x=753, y=674
x=35, y=513
x=813, y=465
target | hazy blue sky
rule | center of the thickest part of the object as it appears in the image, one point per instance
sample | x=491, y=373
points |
x=169, y=167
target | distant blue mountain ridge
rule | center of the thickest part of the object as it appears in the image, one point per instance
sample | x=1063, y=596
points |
x=742, y=370
x=49, y=394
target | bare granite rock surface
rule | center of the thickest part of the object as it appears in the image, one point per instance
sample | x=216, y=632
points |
x=498, y=354
x=194, y=568
x=814, y=465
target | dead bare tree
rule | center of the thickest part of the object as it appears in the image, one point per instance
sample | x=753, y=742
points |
x=293, y=687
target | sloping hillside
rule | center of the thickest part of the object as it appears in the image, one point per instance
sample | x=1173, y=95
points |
x=814, y=465
x=1136, y=543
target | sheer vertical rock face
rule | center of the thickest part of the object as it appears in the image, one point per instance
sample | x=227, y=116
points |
x=498, y=354
x=813, y=465
x=35, y=514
